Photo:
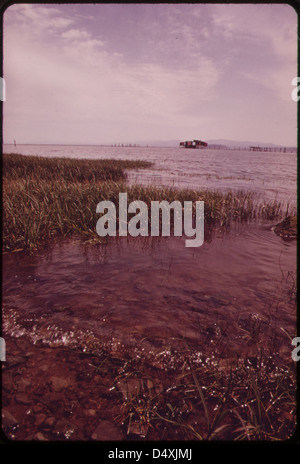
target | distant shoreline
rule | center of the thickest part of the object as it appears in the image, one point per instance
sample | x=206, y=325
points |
x=243, y=146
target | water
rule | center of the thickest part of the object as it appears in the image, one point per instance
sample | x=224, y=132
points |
x=153, y=289
x=273, y=175
x=148, y=293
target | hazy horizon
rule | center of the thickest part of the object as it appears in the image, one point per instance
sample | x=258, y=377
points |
x=92, y=74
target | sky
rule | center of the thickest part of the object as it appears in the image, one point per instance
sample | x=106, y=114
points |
x=125, y=73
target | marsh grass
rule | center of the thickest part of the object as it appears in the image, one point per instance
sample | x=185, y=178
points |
x=16, y=167
x=44, y=198
x=249, y=399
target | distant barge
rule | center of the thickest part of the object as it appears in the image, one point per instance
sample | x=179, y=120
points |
x=193, y=144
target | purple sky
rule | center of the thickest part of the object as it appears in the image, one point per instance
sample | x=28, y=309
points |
x=124, y=73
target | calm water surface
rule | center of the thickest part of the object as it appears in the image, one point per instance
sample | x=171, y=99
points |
x=148, y=292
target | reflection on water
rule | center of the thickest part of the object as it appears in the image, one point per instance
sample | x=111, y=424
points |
x=154, y=291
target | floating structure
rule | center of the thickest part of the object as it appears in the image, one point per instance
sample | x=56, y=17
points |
x=193, y=144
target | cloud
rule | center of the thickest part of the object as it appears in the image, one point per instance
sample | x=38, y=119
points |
x=76, y=34
x=96, y=83
x=40, y=18
x=187, y=70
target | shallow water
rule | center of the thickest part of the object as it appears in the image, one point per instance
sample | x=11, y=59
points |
x=152, y=292
x=234, y=291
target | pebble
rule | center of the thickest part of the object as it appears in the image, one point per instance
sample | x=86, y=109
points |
x=13, y=361
x=107, y=431
x=50, y=421
x=90, y=412
x=40, y=437
x=37, y=407
x=22, y=385
x=130, y=388
x=22, y=399
x=58, y=383
x=8, y=420
x=40, y=418
x=60, y=308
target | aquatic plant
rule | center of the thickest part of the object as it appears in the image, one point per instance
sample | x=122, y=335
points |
x=44, y=198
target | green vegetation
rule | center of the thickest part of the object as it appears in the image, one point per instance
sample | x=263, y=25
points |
x=44, y=198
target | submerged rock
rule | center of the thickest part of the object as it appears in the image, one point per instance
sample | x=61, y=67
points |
x=107, y=431
x=8, y=420
x=287, y=229
x=59, y=383
x=130, y=388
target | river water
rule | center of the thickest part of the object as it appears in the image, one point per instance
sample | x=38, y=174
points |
x=233, y=294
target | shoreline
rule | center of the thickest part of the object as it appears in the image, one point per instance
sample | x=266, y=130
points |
x=59, y=394
x=96, y=391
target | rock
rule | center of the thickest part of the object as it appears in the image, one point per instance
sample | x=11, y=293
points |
x=22, y=385
x=90, y=412
x=213, y=330
x=40, y=418
x=287, y=229
x=129, y=388
x=21, y=398
x=201, y=296
x=60, y=308
x=61, y=427
x=50, y=421
x=38, y=408
x=149, y=384
x=137, y=428
x=40, y=437
x=219, y=301
x=58, y=383
x=107, y=431
x=13, y=361
x=7, y=382
x=8, y=420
